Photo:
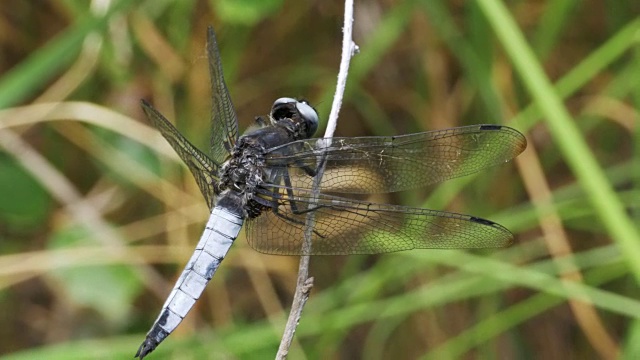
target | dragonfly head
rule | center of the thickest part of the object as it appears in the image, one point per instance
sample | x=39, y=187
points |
x=298, y=110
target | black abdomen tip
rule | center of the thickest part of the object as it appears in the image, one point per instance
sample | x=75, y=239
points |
x=147, y=346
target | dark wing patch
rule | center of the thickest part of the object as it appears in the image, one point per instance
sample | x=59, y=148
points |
x=384, y=164
x=344, y=227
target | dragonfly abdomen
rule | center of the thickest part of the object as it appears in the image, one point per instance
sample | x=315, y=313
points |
x=222, y=229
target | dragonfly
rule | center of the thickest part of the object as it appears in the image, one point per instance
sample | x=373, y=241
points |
x=269, y=180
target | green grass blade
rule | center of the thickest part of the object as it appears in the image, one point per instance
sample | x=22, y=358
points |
x=26, y=78
x=567, y=135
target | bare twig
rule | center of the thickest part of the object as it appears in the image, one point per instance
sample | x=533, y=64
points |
x=305, y=283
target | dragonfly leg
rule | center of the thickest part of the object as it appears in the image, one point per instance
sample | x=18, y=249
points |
x=292, y=202
x=297, y=222
x=307, y=169
x=275, y=205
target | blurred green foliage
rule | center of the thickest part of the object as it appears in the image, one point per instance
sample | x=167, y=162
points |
x=245, y=12
x=80, y=283
x=25, y=204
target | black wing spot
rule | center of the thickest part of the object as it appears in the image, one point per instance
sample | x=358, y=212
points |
x=482, y=221
x=490, y=127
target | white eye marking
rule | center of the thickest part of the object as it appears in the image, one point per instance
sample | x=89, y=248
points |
x=284, y=100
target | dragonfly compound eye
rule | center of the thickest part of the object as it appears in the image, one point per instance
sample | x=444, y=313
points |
x=310, y=116
x=284, y=108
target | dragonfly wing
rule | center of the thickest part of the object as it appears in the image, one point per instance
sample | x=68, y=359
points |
x=344, y=226
x=224, y=121
x=204, y=169
x=382, y=164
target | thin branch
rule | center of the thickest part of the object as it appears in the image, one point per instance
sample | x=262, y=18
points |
x=304, y=282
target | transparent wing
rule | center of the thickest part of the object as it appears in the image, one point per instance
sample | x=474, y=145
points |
x=344, y=226
x=224, y=121
x=204, y=170
x=394, y=163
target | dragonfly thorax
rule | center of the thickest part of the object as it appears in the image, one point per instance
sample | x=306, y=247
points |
x=290, y=120
x=244, y=170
